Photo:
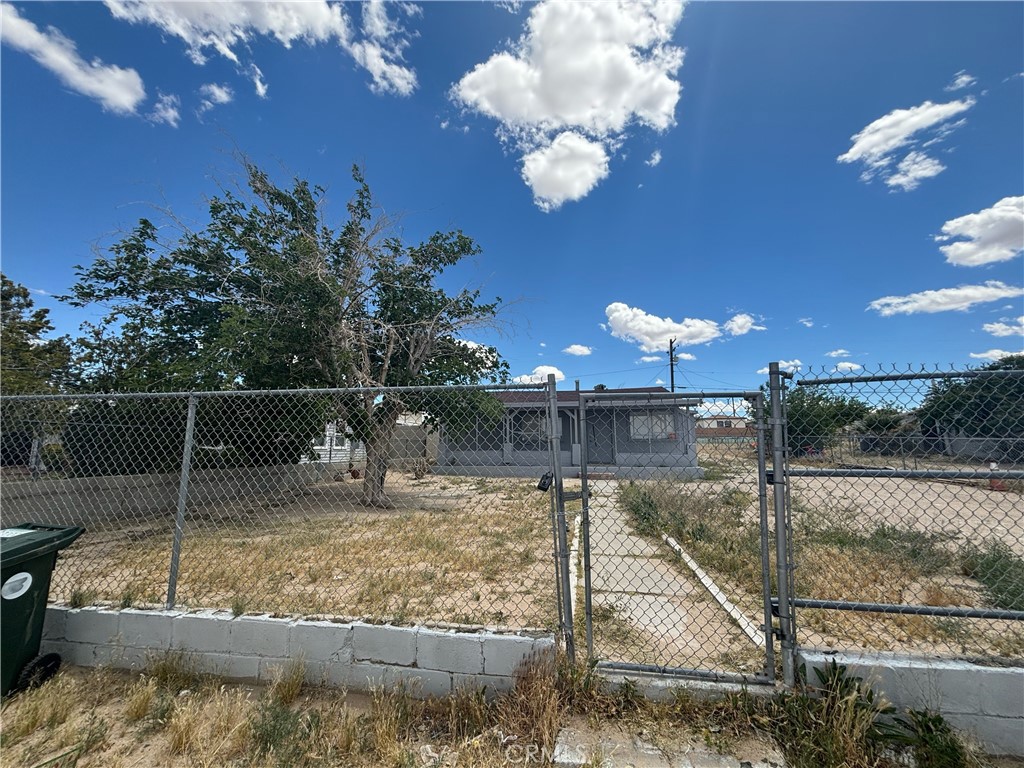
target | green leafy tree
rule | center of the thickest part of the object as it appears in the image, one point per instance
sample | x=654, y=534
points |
x=979, y=406
x=29, y=362
x=269, y=294
x=816, y=415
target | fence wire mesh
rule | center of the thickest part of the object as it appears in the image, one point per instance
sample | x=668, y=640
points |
x=394, y=504
x=676, y=551
x=905, y=490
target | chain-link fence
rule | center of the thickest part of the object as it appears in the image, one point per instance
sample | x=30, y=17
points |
x=675, y=565
x=897, y=495
x=393, y=504
x=905, y=495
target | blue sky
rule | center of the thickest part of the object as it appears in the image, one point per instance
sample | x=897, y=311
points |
x=824, y=184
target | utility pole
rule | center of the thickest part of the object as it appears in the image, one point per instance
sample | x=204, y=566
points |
x=672, y=363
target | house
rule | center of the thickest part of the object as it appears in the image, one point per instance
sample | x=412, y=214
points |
x=412, y=443
x=631, y=432
x=725, y=429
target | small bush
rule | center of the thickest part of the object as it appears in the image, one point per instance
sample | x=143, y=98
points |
x=639, y=502
x=932, y=742
x=1001, y=571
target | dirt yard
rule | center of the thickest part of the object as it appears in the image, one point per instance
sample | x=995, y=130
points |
x=920, y=542
x=448, y=550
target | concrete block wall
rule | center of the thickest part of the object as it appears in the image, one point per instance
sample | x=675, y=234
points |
x=354, y=655
x=986, y=702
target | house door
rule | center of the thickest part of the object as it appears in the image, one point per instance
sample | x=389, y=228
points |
x=600, y=438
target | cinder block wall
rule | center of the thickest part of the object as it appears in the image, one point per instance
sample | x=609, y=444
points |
x=987, y=702
x=249, y=648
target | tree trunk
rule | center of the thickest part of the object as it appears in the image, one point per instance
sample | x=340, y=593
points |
x=378, y=459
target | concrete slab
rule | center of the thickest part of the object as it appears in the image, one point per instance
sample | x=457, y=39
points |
x=611, y=747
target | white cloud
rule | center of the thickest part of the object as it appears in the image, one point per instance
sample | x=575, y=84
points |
x=1006, y=328
x=566, y=169
x=876, y=144
x=912, y=169
x=945, y=299
x=652, y=333
x=846, y=367
x=577, y=349
x=654, y=159
x=684, y=355
x=543, y=344
x=214, y=94
x=650, y=359
x=590, y=70
x=789, y=366
x=961, y=80
x=730, y=408
x=539, y=375
x=741, y=324
x=166, y=110
x=489, y=355
x=992, y=235
x=226, y=27
x=806, y=322
x=117, y=89
x=838, y=353
x=992, y=354
x=256, y=75
x=659, y=382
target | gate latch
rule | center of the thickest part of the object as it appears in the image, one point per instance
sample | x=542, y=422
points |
x=544, y=483
x=769, y=477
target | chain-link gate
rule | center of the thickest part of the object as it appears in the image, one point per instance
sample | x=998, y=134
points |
x=904, y=492
x=676, y=536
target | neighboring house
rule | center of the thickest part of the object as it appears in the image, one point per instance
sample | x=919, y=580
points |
x=413, y=443
x=627, y=433
x=335, y=446
x=724, y=429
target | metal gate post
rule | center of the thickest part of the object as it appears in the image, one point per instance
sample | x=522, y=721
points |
x=782, y=538
x=762, y=503
x=179, y=519
x=554, y=450
x=588, y=607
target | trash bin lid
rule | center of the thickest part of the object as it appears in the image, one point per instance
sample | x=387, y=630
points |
x=26, y=541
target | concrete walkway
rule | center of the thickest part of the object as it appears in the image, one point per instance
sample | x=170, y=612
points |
x=670, y=619
x=613, y=747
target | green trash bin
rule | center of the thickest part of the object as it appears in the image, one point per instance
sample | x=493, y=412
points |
x=28, y=553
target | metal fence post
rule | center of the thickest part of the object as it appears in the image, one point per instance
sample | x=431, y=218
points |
x=762, y=503
x=179, y=519
x=563, y=534
x=588, y=607
x=782, y=553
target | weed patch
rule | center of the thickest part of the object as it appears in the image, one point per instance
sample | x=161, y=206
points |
x=1001, y=571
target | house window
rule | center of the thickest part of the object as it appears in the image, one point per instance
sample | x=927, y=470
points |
x=530, y=431
x=320, y=441
x=650, y=426
x=722, y=424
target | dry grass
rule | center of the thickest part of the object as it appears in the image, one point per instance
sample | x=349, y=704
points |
x=287, y=681
x=841, y=555
x=109, y=720
x=212, y=729
x=46, y=707
x=459, y=550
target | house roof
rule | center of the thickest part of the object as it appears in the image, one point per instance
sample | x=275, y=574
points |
x=531, y=397
x=726, y=431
